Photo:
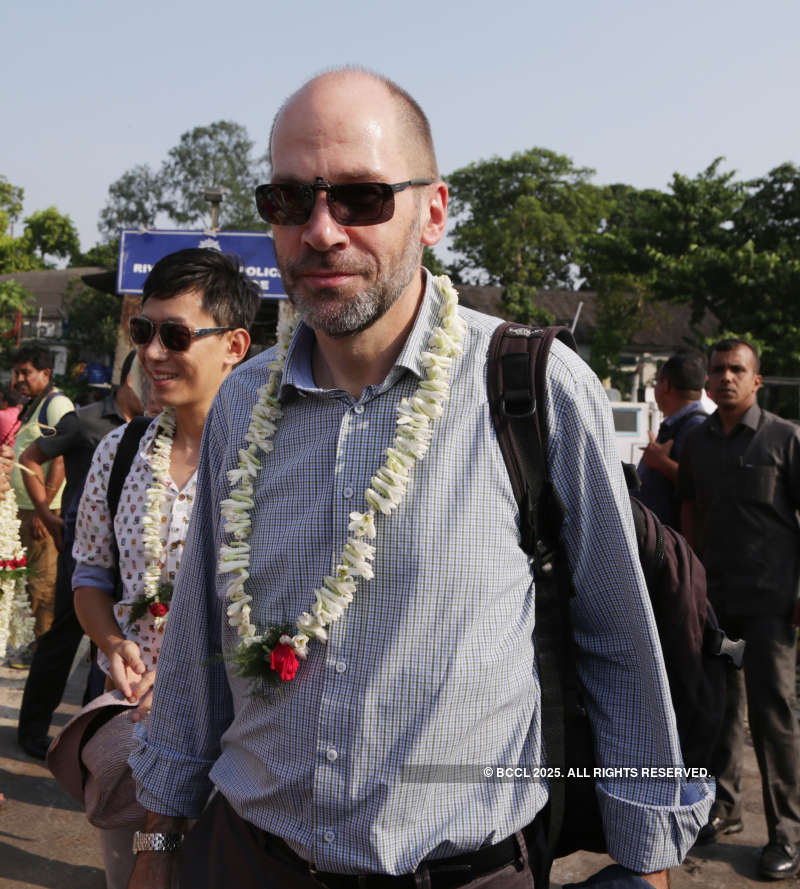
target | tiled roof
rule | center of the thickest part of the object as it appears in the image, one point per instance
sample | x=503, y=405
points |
x=49, y=286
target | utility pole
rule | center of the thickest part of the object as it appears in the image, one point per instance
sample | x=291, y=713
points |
x=214, y=197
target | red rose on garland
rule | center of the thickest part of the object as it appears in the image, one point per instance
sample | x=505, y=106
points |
x=158, y=609
x=284, y=661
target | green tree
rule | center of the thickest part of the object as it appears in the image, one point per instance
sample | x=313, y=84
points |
x=16, y=256
x=92, y=317
x=105, y=255
x=521, y=223
x=50, y=233
x=14, y=297
x=11, y=197
x=718, y=244
x=219, y=155
x=134, y=201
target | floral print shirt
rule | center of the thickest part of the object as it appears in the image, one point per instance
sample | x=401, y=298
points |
x=93, y=548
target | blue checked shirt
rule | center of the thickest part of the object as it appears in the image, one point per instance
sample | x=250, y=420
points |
x=433, y=663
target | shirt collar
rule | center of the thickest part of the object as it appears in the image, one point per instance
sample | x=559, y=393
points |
x=298, y=374
x=693, y=407
x=751, y=418
x=146, y=444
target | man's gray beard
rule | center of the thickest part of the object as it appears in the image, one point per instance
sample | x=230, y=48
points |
x=337, y=320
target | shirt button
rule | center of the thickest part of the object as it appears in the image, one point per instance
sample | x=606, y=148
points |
x=340, y=667
x=329, y=836
x=331, y=755
x=347, y=493
x=358, y=409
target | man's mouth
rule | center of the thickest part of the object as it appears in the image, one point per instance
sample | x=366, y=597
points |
x=162, y=377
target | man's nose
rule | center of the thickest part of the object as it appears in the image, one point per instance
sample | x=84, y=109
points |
x=154, y=349
x=322, y=232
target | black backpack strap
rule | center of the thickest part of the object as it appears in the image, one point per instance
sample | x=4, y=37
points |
x=516, y=384
x=123, y=460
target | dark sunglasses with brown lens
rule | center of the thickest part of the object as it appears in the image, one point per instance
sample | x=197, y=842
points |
x=174, y=336
x=350, y=203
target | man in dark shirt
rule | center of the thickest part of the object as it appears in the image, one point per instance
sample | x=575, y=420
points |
x=739, y=478
x=678, y=388
x=76, y=436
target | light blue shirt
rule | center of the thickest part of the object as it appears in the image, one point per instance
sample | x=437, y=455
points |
x=433, y=663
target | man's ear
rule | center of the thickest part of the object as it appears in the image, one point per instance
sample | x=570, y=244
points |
x=435, y=220
x=238, y=344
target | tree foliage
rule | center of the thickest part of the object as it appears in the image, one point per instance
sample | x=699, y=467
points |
x=219, y=155
x=47, y=234
x=51, y=234
x=720, y=245
x=521, y=222
x=14, y=297
x=134, y=201
x=11, y=197
x=92, y=317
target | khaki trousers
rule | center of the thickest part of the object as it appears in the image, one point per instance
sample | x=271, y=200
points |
x=42, y=558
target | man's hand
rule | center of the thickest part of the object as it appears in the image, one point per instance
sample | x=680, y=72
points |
x=145, y=692
x=154, y=870
x=659, y=879
x=55, y=527
x=38, y=528
x=657, y=456
x=126, y=668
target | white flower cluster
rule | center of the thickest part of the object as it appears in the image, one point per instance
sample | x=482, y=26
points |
x=386, y=491
x=156, y=495
x=16, y=621
x=234, y=557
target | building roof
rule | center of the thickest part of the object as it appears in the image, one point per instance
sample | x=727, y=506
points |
x=667, y=326
x=49, y=286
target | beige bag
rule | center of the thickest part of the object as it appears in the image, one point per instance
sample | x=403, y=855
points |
x=89, y=758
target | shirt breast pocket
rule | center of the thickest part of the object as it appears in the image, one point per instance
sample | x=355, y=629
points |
x=756, y=484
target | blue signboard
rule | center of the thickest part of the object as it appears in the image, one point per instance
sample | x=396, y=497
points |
x=140, y=250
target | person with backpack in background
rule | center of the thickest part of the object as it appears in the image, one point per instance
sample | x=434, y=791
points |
x=355, y=542
x=197, y=307
x=33, y=378
x=678, y=389
x=76, y=436
x=739, y=478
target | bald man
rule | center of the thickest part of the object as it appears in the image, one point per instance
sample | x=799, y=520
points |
x=411, y=650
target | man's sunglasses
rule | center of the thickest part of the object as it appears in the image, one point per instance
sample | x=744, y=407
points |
x=351, y=203
x=174, y=336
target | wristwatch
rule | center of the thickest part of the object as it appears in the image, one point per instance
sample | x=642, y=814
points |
x=156, y=842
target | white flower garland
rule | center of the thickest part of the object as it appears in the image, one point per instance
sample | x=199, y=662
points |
x=16, y=621
x=386, y=491
x=156, y=496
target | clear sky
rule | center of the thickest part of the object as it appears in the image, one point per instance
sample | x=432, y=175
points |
x=636, y=90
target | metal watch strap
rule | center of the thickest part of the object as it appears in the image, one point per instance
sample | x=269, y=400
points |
x=156, y=842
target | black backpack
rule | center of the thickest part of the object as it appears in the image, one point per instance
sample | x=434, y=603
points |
x=691, y=639
x=127, y=449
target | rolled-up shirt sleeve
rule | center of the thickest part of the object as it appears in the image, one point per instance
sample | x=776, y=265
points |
x=650, y=823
